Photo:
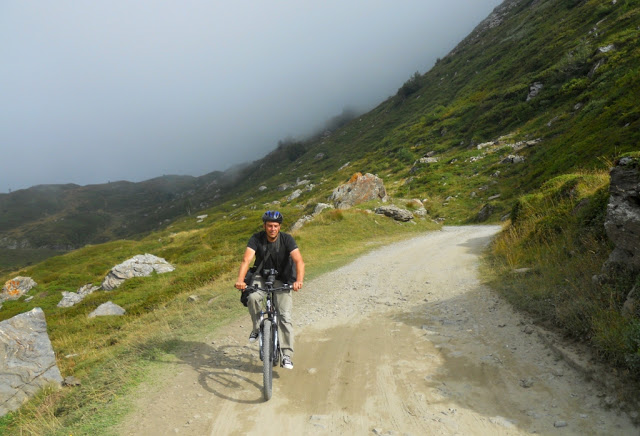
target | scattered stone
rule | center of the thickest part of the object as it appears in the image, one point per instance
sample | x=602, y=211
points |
x=560, y=424
x=28, y=362
x=301, y=222
x=71, y=381
x=512, y=159
x=295, y=194
x=344, y=166
x=193, y=298
x=395, y=212
x=319, y=156
x=528, y=329
x=606, y=48
x=283, y=187
x=138, y=266
x=534, y=90
x=494, y=197
x=262, y=188
x=15, y=288
x=523, y=271
x=320, y=207
x=107, y=309
x=485, y=213
x=72, y=298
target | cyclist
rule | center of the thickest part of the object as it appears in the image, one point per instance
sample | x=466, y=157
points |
x=278, y=250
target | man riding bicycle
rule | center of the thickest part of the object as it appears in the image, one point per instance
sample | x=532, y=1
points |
x=273, y=250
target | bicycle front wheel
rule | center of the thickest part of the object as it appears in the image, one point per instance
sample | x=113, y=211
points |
x=267, y=365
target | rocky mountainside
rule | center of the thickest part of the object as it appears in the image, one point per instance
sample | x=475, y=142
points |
x=539, y=88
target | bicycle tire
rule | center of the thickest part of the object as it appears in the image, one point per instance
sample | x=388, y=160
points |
x=267, y=364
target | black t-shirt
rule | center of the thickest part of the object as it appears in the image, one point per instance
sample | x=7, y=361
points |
x=280, y=250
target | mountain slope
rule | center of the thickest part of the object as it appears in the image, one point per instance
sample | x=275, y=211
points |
x=472, y=110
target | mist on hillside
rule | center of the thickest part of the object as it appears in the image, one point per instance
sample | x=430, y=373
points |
x=103, y=91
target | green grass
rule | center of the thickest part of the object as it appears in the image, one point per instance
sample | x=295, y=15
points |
x=558, y=232
x=112, y=355
x=557, y=198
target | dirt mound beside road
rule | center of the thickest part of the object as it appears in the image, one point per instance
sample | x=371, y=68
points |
x=404, y=340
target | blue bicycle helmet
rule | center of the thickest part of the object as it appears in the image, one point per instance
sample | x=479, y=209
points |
x=273, y=216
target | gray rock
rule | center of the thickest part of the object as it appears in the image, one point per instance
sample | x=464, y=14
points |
x=301, y=222
x=283, y=187
x=72, y=298
x=138, y=266
x=71, y=381
x=534, y=90
x=320, y=207
x=395, y=212
x=622, y=222
x=262, y=188
x=559, y=424
x=485, y=213
x=319, y=156
x=16, y=288
x=28, y=362
x=359, y=189
x=295, y=194
x=512, y=159
x=107, y=309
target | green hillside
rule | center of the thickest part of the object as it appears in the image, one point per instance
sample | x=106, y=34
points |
x=468, y=114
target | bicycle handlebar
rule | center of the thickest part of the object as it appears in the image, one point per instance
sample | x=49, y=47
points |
x=286, y=287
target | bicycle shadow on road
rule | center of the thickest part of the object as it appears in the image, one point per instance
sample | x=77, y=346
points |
x=231, y=372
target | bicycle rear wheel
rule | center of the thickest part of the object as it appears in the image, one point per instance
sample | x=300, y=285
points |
x=267, y=365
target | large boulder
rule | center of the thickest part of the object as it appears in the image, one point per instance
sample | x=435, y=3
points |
x=16, y=288
x=359, y=189
x=142, y=265
x=395, y=212
x=622, y=222
x=27, y=361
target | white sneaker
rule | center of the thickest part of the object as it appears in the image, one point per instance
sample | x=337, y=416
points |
x=287, y=363
x=253, y=336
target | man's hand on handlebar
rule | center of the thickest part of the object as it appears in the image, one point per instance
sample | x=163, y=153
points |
x=241, y=286
x=297, y=285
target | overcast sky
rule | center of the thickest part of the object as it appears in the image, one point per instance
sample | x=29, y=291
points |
x=97, y=91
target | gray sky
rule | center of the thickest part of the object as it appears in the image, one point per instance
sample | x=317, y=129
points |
x=92, y=91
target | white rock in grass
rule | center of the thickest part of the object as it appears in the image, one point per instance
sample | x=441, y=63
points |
x=107, y=309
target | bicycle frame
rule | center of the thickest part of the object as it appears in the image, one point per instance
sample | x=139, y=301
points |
x=269, y=312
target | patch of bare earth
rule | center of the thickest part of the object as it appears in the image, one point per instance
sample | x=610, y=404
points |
x=403, y=341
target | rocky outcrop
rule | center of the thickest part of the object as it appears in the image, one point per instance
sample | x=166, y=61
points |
x=72, y=298
x=534, y=90
x=16, y=288
x=622, y=222
x=359, y=189
x=395, y=212
x=107, y=309
x=27, y=361
x=138, y=266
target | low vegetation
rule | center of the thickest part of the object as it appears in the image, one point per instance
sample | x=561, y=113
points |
x=468, y=113
x=111, y=355
x=545, y=262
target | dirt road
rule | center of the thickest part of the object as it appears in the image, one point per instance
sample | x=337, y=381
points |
x=403, y=341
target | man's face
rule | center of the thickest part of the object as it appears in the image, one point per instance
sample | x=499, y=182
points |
x=272, y=230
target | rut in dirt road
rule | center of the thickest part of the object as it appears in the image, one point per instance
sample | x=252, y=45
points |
x=404, y=340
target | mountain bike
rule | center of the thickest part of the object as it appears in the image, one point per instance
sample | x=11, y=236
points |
x=268, y=335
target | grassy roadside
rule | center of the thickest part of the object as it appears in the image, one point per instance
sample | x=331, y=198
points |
x=544, y=262
x=114, y=355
